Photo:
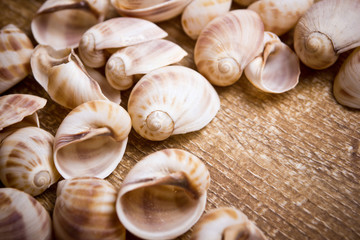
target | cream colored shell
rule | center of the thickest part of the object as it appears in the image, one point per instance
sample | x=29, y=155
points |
x=23, y=217
x=163, y=195
x=172, y=100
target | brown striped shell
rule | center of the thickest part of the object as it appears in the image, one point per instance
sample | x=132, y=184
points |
x=85, y=209
x=15, y=51
x=163, y=195
x=23, y=217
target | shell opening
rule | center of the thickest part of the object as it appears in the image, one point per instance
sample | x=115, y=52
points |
x=161, y=123
x=42, y=179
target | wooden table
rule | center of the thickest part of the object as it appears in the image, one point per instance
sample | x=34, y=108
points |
x=290, y=162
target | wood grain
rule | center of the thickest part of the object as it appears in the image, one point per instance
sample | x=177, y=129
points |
x=290, y=161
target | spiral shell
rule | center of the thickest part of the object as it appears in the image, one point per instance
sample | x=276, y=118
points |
x=91, y=140
x=227, y=44
x=85, y=209
x=172, y=100
x=23, y=217
x=163, y=195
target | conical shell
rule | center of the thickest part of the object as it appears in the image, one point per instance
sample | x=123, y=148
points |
x=141, y=59
x=91, y=140
x=199, y=13
x=26, y=160
x=172, y=100
x=347, y=81
x=276, y=69
x=85, y=209
x=115, y=33
x=15, y=51
x=23, y=217
x=328, y=28
x=226, y=223
x=61, y=23
x=163, y=195
x=227, y=44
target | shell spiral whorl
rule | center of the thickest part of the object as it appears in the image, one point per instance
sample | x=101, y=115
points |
x=161, y=123
x=42, y=178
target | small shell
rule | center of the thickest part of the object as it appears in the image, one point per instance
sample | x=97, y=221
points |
x=23, y=217
x=277, y=69
x=347, y=82
x=140, y=59
x=15, y=51
x=227, y=44
x=85, y=209
x=245, y=3
x=115, y=33
x=26, y=160
x=279, y=16
x=163, y=195
x=226, y=224
x=172, y=100
x=60, y=24
x=327, y=29
x=91, y=140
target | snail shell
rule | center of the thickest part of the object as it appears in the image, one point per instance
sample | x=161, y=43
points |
x=347, y=81
x=199, y=13
x=326, y=30
x=115, y=33
x=26, y=160
x=85, y=209
x=276, y=69
x=60, y=24
x=172, y=100
x=227, y=44
x=163, y=195
x=15, y=51
x=226, y=223
x=140, y=59
x=23, y=217
x=91, y=140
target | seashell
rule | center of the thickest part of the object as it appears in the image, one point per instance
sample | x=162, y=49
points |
x=279, y=16
x=26, y=160
x=163, y=195
x=85, y=209
x=227, y=44
x=140, y=59
x=64, y=77
x=245, y=3
x=60, y=24
x=276, y=69
x=154, y=11
x=115, y=33
x=23, y=217
x=226, y=223
x=172, y=100
x=347, y=82
x=91, y=140
x=199, y=13
x=15, y=50
x=326, y=30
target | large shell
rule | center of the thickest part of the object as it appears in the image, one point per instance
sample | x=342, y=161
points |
x=23, y=217
x=328, y=28
x=61, y=23
x=115, y=33
x=91, y=140
x=199, y=13
x=347, y=81
x=276, y=69
x=140, y=59
x=226, y=223
x=26, y=160
x=172, y=100
x=85, y=209
x=227, y=44
x=15, y=51
x=279, y=16
x=163, y=195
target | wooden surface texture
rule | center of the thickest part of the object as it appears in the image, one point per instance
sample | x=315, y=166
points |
x=290, y=162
